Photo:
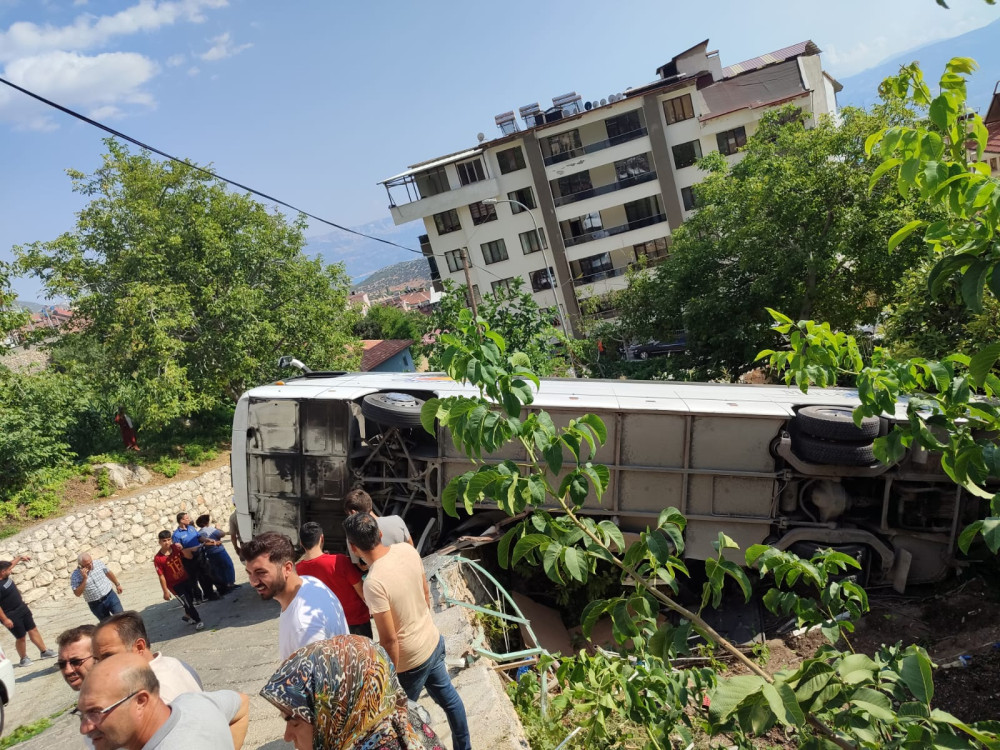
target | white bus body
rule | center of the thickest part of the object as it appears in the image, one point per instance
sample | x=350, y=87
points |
x=727, y=456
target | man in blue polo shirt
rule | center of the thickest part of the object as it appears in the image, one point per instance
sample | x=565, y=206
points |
x=186, y=535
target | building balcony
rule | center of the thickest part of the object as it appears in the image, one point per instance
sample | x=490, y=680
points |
x=563, y=200
x=598, y=146
x=444, y=201
x=598, y=234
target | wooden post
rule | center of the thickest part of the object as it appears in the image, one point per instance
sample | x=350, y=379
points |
x=468, y=282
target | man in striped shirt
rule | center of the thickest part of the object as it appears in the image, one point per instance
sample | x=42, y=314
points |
x=97, y=585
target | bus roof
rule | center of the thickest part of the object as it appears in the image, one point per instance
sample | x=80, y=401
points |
x=582, y=394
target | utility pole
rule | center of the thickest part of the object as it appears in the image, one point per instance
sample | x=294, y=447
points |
x=468, y=282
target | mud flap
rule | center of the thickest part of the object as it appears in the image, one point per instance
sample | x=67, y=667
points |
x=901, y=570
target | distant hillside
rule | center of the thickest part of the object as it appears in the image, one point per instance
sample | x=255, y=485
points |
x=362, y=257
x=861, y=89
x=412, y=273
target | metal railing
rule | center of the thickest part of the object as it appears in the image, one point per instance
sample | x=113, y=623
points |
x=638, y=179
x=598, y=234
x=591, y=148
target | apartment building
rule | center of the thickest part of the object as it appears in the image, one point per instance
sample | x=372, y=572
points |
x=572, y=196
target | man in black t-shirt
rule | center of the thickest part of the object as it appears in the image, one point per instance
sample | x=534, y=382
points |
x=15, y=615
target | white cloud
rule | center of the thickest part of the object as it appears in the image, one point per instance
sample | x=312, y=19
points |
x=79, y=2
x=100, y=84
x=223, y=47
x=106, y=112
x=174, y=60
x=194, y=70
x=87, y=31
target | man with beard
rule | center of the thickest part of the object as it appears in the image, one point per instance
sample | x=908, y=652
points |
x=309, y=610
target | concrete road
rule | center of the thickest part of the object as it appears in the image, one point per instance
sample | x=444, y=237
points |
x=237, y=650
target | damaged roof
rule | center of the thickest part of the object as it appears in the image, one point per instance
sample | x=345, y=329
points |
x=781, y=55
x=766, y=86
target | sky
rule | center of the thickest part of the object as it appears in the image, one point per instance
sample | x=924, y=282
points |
x=315, y=101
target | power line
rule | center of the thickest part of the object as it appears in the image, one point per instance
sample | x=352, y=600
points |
x=165, y=155
x=214, y=175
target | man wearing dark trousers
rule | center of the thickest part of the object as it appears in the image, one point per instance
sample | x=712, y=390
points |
x=397, y=594
x=169, y=564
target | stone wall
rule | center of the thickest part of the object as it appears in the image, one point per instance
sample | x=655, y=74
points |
x=120, y=532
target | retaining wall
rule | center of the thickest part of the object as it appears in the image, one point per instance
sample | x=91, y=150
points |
x=121, y=532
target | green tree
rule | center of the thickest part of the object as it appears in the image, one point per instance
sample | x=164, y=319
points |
x=11, y=316
x=190, y=291
x=790, y=225
x=389, y=322
x=511, y=312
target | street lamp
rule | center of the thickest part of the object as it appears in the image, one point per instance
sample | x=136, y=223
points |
x=541, y=246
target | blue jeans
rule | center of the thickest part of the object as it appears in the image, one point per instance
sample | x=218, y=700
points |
x=433, y=674
x=107, y=605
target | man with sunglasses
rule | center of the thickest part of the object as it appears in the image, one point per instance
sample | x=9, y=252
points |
x=76, y=654
x=120, y=707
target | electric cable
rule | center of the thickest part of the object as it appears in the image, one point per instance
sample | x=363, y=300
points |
x=210, y=173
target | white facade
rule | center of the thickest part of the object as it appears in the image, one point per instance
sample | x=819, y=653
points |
x=605, y=184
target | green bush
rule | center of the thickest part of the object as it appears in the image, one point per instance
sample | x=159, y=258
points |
x=167, y=466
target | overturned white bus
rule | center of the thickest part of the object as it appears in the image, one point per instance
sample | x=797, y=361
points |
x=761, y=463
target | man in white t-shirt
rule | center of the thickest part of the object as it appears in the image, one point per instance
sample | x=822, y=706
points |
x=309, y=610
x=393, y=528
x=126, y=633
x=120, y=706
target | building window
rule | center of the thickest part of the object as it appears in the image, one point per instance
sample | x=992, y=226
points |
x=574, y=183
x=623, y=124
x=530, y=243
x=595, y=267
x=644, y=208
x=501, y=284
x=564, y=142
x=510, y=160
x=494, y=252
x=432, y=182
x=687, y=196
x=542, y=279
x=731, y=141
x=651, y=250
x=686, y=154
x=471, y=171
x=525, y=196
x=678, y=109
x=447, y=221
x=475, y=294
x=632, y=167
x=586, y=224
x=454, y=259
x=482, y=212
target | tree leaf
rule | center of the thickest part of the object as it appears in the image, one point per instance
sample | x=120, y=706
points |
x=982, y=362
x=730, y=693
x=905, y=231
x=917, y=674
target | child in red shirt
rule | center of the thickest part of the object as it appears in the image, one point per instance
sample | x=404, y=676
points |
x=174, y=579
x=339, y=574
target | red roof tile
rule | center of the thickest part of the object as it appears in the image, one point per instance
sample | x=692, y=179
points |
x=377, y=351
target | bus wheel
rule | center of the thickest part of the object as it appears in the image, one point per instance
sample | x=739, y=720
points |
x=392, y=409
x=827, y=452
x=836, y=423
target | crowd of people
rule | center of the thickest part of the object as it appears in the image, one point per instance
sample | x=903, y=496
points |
x=335, y=686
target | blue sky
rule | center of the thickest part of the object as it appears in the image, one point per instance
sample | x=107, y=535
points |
x=314, y=101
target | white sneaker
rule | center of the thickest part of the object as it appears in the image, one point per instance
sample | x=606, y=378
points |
x=199, y=626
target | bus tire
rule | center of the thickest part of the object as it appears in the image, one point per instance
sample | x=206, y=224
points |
x=836, y=423
x=829, y=453
x=391, y=409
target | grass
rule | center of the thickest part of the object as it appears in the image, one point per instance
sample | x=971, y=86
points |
x=27, y=731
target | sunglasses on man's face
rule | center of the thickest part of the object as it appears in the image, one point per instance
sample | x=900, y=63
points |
x=75, y=663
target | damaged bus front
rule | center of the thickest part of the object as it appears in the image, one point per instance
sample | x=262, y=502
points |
x=760, y=463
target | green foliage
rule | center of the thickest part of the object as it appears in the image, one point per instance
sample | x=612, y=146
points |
x=104, y=486
x=10, y=319
x=168, y=467
x=389, y=322
x=25, y=732
x=190, y=292
x=510, y=312
x=791, y=225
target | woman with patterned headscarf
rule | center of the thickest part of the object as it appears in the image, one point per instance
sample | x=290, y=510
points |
x=342, y=694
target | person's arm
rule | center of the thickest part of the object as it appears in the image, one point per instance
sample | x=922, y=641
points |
x=427, y=595
x=387, y=637
x=83, y=582
x=163, y=585
x=111, y=577
x=18, y=559
x=239, y=724
x=7, y=622
x=361, y=591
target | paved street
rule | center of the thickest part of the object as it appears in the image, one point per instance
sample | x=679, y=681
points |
x=237, y=650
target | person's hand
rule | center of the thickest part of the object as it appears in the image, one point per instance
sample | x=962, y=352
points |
x=8, y=623
x=84, y=572
x=24, y=558
x=119, y=588
x=166, y=596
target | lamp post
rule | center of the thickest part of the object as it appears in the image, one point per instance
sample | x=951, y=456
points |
x=541, y=246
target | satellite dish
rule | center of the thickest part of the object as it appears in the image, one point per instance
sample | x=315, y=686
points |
x=588, y=106
x=603, y=102
x=481, y=137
